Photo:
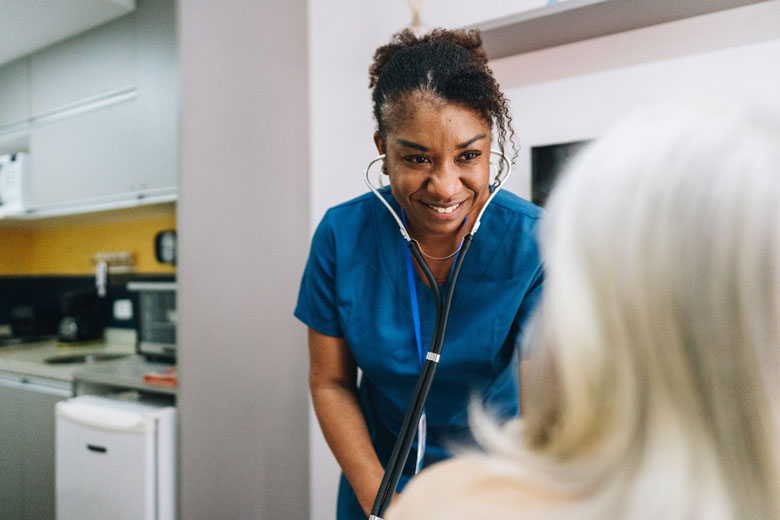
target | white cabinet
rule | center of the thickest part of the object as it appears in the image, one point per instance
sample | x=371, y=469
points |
x=98, y=114
x=27, y=436
x=14, y=96
x=92, y=64
x=158, y=102
x=11, y=443
x=91, y=157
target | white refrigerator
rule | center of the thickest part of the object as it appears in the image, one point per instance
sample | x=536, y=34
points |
x=115, y=459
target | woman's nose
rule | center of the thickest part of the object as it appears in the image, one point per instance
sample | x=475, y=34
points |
x=444, y=183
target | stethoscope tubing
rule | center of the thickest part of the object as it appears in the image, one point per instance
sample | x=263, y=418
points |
x=403, y=443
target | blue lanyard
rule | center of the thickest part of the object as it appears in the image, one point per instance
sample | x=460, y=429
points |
x=413, y=293
x=422, y=427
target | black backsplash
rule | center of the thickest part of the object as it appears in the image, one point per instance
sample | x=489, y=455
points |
x=44, y=293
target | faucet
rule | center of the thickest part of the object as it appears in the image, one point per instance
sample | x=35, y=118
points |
x=101, y=277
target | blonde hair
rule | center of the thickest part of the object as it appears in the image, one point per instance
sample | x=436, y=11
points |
x=654, y=390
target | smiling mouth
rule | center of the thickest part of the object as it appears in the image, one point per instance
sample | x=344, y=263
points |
x=444, y=209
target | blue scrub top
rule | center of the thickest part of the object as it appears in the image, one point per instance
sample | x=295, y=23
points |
x=355, y=286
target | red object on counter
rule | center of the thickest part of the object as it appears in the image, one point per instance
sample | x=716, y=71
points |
x=165, y=378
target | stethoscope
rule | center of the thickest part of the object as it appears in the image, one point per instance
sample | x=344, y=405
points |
x=403, y=443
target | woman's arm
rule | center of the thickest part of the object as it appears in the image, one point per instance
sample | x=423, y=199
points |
x=333, y=384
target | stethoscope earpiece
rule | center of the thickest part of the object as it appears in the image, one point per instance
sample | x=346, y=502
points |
x=494, y=189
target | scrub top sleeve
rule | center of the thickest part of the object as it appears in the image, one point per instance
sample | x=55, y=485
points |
x=522, y=323
x=317, y=306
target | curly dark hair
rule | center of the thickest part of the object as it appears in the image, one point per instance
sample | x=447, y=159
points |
x=452, y=65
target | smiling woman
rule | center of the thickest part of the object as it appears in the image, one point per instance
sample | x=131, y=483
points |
x=364, y=297
x=438, y=161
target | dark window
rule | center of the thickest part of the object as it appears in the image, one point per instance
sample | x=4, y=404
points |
x=547, y=162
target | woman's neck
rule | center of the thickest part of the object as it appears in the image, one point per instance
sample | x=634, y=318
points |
x=439, y=251
x=439, y=245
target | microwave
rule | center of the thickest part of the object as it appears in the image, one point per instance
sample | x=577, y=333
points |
x=156, y=319
x=14, y=183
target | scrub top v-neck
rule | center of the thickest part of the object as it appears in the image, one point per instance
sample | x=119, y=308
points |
x=355, y=286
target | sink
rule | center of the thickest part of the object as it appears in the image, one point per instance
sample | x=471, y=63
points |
x=83, y=358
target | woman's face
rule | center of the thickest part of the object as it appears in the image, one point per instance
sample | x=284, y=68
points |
x=438, y=161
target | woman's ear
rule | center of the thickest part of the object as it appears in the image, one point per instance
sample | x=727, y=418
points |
x=380, y=144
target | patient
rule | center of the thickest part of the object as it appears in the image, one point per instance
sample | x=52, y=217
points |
x=655, y=388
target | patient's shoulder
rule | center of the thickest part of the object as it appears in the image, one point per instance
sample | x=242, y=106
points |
x=470, y=486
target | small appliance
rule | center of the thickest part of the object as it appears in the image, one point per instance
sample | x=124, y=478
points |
x=83, y=317
x=14, y=183
x=33, y=321
x=156, y=319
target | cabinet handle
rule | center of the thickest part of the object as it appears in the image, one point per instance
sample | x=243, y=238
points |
x=99, y=449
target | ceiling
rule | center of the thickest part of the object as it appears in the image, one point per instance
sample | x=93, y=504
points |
x=33, y=24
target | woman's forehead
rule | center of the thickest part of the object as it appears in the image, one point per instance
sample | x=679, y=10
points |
x=422, y=112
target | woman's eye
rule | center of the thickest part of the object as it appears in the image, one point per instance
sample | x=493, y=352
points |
x=470, y=155
x=416, y=159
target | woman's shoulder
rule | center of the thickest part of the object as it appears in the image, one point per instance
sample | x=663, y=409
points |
x=348, y=216
x=512, y=204
x=514, y=220
x=468, y=486
x=358, y=205
x=351, y=226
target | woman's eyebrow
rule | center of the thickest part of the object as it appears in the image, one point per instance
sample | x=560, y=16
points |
x=410, y=144
x=422, y=148
x=470, y=141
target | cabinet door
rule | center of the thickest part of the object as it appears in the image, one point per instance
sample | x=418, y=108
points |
x=158, y=104
x=88, y=65
x=89, y=158
x=38, y=422
x=14, y=107
x=11, y=450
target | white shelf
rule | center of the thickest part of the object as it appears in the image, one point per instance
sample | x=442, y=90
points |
x=577, y=20
x=90, y=214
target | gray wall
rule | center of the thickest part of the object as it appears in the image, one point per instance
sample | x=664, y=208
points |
x=243, y=226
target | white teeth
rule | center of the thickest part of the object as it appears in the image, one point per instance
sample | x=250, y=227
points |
x=444, y=210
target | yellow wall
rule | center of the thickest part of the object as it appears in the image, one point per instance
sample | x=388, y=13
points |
x=16, y=247
x=68, y=248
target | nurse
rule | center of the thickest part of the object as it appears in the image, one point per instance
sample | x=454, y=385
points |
x=438, y=111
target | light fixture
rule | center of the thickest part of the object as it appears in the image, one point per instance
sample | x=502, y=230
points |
x=417, y=26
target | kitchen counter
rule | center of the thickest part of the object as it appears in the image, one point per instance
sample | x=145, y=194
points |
x=31, y=358
x=125, y=372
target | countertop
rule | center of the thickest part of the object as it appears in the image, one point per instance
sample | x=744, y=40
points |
x=125, y=372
